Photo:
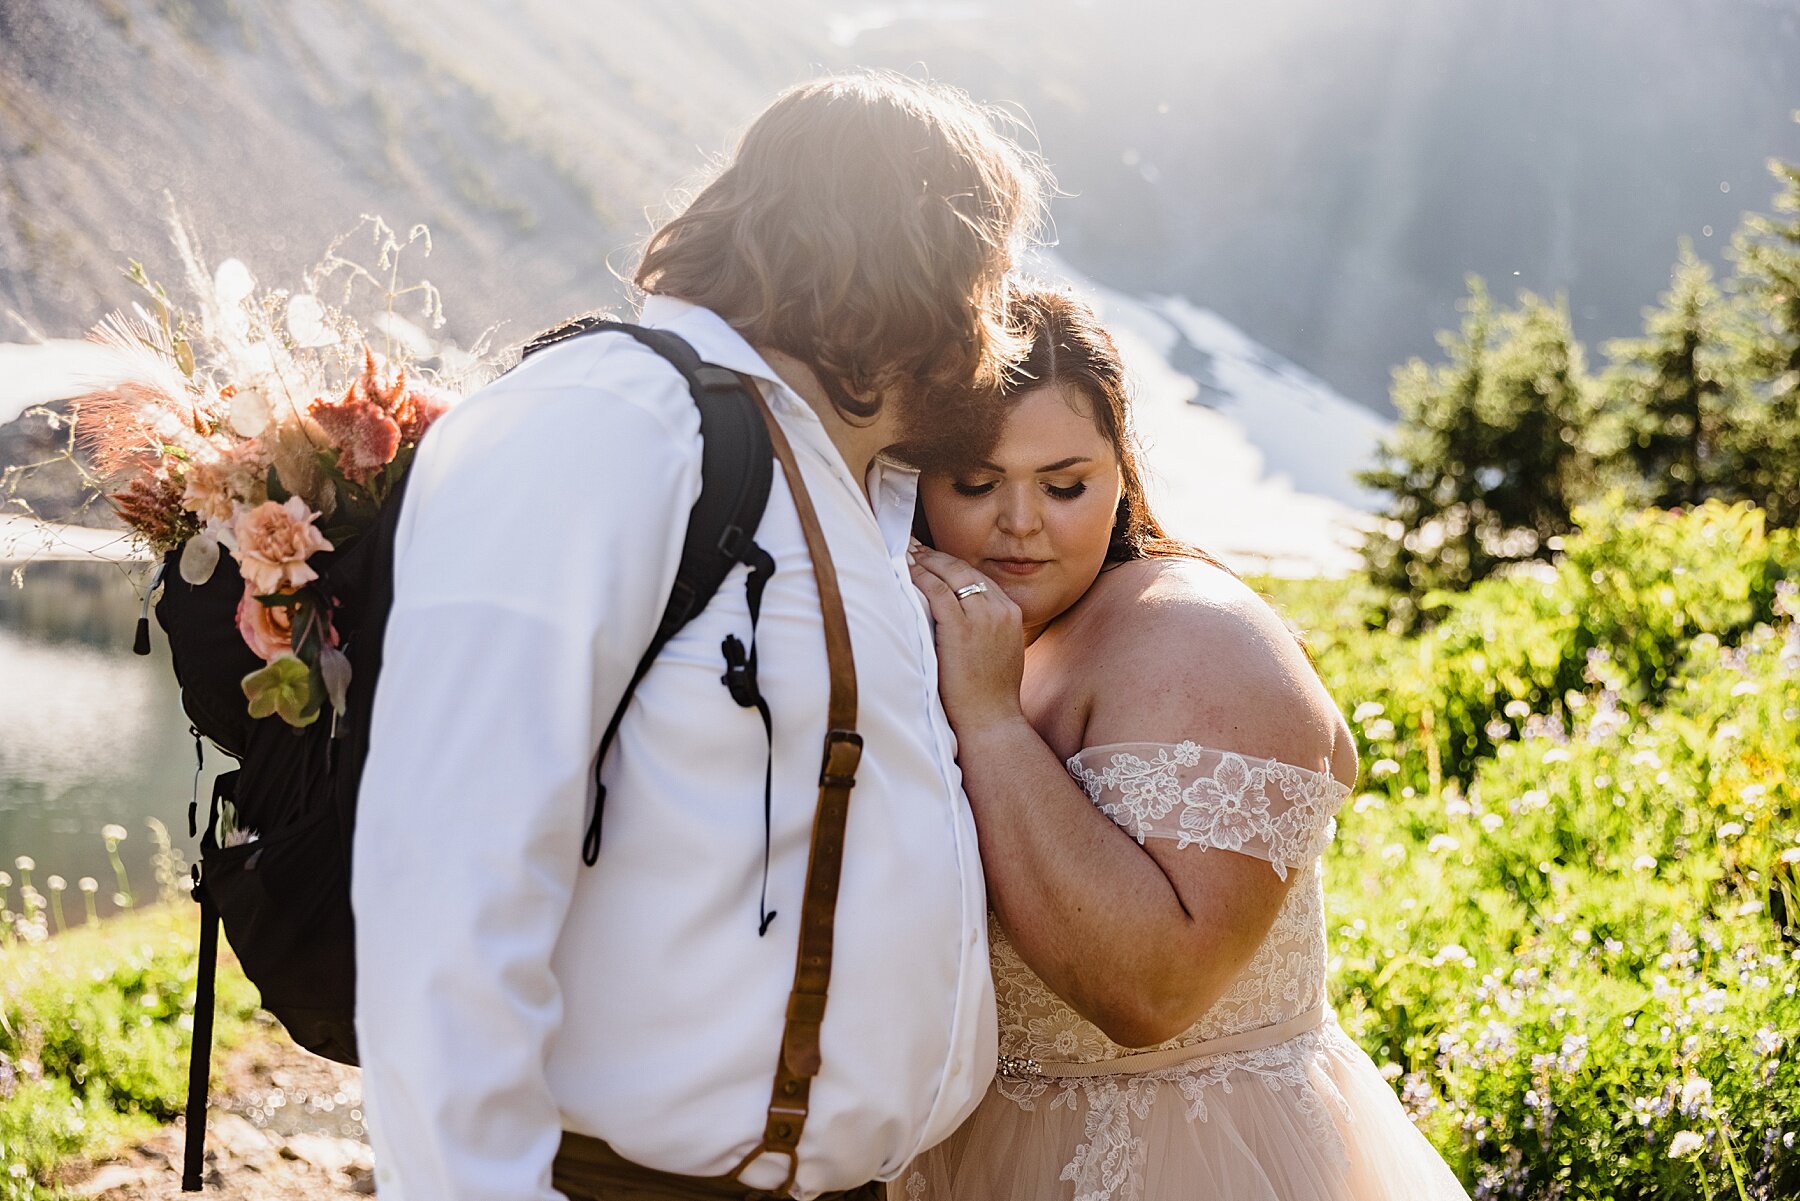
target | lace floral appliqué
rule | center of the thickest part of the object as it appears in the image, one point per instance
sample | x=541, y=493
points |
x=1259, y=807
x=1108, y=1165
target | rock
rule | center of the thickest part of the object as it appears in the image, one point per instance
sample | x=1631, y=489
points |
x=338, y=1156
x=110, y=1177
x=234, y=1136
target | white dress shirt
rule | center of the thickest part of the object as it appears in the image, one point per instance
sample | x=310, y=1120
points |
x=506, y=992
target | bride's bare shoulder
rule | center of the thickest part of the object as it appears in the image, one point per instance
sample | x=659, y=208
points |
x=1140, y=600
x=1182, y=649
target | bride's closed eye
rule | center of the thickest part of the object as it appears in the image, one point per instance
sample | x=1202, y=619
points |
x=1069, y=492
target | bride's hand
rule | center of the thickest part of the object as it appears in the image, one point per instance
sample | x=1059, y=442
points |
x=980, y=640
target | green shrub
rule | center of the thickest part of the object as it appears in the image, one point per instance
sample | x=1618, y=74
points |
x=1628, y=599
x=1563, y=907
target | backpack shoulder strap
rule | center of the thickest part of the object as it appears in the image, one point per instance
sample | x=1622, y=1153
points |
x=736, y=470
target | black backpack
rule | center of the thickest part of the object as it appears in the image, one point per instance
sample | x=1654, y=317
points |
x=284, y=898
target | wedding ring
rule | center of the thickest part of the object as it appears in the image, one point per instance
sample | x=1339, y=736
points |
x=968, y=590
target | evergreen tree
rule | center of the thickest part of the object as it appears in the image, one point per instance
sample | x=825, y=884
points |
x=1675, y=394
x=1490, y=455
x=1538, y=410
x=1427, y=536
x=1767, y=254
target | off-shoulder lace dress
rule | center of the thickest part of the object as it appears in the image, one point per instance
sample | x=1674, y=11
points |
x=1263, y=1099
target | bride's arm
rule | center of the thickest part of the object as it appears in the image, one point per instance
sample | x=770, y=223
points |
x=1140, y=939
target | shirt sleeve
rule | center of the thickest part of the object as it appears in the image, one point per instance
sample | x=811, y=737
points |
x=1201, y=797
x=540, y=537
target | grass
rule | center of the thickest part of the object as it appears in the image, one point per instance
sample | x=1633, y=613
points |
x=95, y=1027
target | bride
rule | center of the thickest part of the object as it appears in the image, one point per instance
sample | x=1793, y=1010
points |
x=1154, y=767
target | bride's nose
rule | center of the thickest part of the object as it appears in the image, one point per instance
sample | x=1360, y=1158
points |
x=1020, y=513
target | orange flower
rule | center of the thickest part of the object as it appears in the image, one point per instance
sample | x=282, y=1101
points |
x=418, y=409
x=368, y=385
x=365, y=436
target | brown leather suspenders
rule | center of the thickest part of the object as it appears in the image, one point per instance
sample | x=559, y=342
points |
x=799, y=1059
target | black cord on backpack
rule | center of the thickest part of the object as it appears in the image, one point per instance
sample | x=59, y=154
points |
x=740, y=679
x=193, y=1160
x=199, y=769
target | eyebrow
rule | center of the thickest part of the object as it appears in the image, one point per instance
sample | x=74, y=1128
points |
x=1059, y=465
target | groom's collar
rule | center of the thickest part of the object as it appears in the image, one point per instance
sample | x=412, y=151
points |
x=715, y=341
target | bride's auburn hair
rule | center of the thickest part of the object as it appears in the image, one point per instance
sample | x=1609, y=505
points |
x=865, y=226
x=1070, y=348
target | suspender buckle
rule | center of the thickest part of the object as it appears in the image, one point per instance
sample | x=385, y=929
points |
x=843, y=753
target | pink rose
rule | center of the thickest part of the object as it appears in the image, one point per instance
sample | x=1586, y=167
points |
x=273, y=543
x=269, y=629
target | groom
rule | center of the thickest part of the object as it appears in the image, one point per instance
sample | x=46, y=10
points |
x=531, y=1027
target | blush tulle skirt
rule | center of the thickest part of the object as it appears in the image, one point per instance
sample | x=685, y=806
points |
x=1309, y=1119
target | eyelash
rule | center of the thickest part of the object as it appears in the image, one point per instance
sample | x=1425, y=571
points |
x=1069, y=493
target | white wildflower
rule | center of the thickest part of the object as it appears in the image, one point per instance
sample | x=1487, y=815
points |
x=1685, y=1144
x=1696, y=1093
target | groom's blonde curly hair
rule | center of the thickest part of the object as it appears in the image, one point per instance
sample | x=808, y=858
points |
x=866, y=226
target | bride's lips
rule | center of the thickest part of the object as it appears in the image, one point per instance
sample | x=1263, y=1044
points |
x=1018, y=567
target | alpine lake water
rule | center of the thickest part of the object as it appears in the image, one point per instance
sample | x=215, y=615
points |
x=91, y=735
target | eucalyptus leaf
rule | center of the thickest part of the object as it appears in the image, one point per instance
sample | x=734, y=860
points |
x=308, y=629
x=334, y=670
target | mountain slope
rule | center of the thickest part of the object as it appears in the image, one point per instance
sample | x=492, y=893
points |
x=529, y=137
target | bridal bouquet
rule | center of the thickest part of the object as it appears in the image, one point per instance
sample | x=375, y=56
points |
x=261, y=424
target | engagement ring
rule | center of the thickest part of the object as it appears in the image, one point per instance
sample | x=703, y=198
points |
x=968, y=590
